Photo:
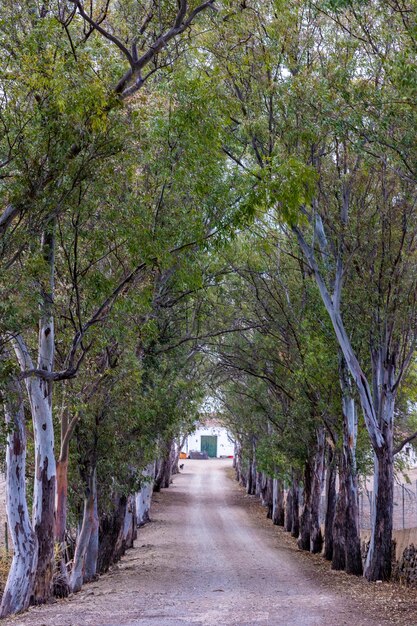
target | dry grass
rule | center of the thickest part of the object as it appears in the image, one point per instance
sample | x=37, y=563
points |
x=5, y=562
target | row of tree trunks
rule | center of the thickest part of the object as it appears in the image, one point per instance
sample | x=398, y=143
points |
x=341, y=540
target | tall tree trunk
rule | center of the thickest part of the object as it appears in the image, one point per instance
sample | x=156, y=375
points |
x=330, y=505
x=295, y=526
x=305, y=525
x=40, y=398
x=292, y=517
x=316, y=537
x=339, y=528
x=278, y=510
x=353, y=557
x=20, y=581
x=346, y=536
x=378, y=561
x=90, y=562
x=83, y=539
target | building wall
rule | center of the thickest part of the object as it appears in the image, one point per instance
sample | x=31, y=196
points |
x=225, y=446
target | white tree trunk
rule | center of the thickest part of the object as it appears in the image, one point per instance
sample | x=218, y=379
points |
x=40, y=399
x=19, y=586
x=144, y=496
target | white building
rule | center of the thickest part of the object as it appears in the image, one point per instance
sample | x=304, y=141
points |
x=409, y=455
x=212, y=437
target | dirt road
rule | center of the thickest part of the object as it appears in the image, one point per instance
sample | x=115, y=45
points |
x=211, y=558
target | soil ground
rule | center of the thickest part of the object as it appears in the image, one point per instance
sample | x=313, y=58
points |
x=210, y=557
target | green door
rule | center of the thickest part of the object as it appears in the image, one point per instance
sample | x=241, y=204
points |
x=209, y=445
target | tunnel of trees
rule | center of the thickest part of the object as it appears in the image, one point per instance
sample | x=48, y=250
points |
x=203, y=199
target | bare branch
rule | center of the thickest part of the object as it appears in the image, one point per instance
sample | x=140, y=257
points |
x=96, y=26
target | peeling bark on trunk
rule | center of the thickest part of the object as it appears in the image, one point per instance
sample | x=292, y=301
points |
x=20, y=581
x=346, y=537
x=278, y=510
x=378, y=562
